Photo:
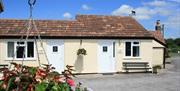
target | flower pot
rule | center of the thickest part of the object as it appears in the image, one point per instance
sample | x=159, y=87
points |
x=155, y=70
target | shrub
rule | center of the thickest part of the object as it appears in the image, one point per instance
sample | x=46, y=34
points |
x=25, y=78
x=157, y=66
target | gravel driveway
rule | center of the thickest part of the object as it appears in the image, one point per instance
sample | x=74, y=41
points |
x=167, y=80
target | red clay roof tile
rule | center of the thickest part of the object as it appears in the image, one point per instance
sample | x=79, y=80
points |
x=158, y=35
x=83, y=25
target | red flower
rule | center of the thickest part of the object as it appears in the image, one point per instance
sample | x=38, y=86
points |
x=70, y=82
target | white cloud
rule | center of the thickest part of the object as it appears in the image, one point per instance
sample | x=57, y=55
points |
x=178, y=1
x=85, y=7
x=141, y=12
x=123, y=10
x=67, y=15
x=173, y=22
x=156, y=3
x=172, y=27
x=164, y=11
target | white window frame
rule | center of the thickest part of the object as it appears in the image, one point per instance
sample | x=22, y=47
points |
x=132, y=44
x=15, y=46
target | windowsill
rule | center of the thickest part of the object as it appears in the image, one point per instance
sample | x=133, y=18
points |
x=26, y=59
x=126, y=58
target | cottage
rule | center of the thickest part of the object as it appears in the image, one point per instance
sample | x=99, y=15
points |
x=109, y=41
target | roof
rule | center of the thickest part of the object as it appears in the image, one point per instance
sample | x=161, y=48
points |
x=83, y=26
x=1, y=6
x=158, y=35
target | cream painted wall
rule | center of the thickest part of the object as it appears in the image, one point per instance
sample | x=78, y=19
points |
x=158, y=52
x=156, y=44
x=1, y=51
x=145, y=53
x=119, y=55
x=88, y=63
x=157, y=56
x=83, y=64
x=4, y=60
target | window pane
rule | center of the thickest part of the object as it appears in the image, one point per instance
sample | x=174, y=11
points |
x=55, y=48
x=105, y=49
x=20, y=43
x=10, y=49
x=128, y=48
x=135, y=42
x=135, y=51
x=20, y=50
x=30, y=49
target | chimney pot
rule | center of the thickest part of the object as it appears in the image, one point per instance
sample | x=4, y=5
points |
x=158, y=26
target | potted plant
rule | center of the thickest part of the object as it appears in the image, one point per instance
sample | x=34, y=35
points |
x=156, y=68
x=81, y=51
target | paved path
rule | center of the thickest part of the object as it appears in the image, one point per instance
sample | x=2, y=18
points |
x=167, y=80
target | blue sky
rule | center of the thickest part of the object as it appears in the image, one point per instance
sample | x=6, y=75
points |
x=147, y=11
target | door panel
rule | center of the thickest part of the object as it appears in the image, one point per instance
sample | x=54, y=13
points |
x=105, y=56
x=55, y=53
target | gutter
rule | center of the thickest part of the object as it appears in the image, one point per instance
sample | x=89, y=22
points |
x=84, y=37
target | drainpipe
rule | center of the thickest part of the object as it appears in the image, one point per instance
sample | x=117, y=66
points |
x=164, y=59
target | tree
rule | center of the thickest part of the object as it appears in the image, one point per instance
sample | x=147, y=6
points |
x=173, y=44
x=177, y=41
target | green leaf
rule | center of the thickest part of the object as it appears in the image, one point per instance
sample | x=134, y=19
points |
x=64, y=87
x=77, y=89
x=11, y=84
x=32, y=70
x=50, y=85
x=55, y=88
x=1, y=82
x=25, y=86
x=41, y=87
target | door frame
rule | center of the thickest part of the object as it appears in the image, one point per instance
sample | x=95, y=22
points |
x=60, y=44
x=99, y=55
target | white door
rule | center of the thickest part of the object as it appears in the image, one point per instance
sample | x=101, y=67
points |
x=106, y=56
x=55, y=53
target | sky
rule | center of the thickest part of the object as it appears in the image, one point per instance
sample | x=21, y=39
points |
x=147, y=11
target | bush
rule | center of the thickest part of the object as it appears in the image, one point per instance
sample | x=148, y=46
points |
x=25, y=78
x=157, y=66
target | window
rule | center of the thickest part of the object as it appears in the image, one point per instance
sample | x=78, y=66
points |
x=105, y=49
x=128, y=48
x=30, y=49
x=132, y=49
x=135, y=49
x=10, y=49
x=55, y=48
x=114, y=51
x=20, y=50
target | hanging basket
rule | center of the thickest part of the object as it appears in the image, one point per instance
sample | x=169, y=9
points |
x=81, y=51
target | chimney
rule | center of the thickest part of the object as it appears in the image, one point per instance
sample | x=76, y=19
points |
x=158, y=26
